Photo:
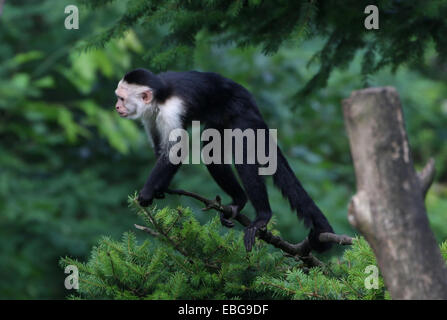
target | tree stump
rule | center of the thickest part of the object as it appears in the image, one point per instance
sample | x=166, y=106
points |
x=389, y=208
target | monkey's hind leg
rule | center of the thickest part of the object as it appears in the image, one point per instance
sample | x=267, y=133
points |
x=224, y=176
x=257, y=193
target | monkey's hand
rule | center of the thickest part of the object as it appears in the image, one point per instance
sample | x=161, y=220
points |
x=146, y=197
x=250, y=233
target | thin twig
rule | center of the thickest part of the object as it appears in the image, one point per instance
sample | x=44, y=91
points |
x=179, y=214
x=300, y=250
x=336, y=238
x=147, y=230
x=290, y=291
x=161, y=232
x=160, y=229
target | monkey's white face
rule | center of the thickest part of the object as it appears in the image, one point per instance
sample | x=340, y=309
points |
x=133, y=100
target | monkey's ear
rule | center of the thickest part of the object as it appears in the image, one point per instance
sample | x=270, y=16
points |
x=147, y=96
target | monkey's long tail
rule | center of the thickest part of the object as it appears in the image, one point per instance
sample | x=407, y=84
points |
x=301, y=202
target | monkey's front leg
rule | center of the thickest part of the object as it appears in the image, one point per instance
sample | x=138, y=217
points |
x=158, y=181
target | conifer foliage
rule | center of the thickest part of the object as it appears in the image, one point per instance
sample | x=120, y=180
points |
x=183, y=259
x=407, y=30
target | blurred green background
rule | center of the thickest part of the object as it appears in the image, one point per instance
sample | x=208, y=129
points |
x=68, y=162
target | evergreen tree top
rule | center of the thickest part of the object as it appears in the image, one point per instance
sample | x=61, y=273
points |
x=407, y=29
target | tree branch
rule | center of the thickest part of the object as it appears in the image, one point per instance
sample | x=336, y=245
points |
x=147, y=230
x=389, y=203
x=426, y=176
x=300, y=250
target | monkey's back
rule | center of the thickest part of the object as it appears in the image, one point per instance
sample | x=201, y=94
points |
x=210, y=97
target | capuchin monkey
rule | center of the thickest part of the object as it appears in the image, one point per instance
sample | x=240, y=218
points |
x=171, y=100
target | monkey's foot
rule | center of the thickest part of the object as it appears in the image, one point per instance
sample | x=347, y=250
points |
x=225, y=220
x=250, y=233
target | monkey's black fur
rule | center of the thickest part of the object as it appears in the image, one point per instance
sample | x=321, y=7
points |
x=221, y=103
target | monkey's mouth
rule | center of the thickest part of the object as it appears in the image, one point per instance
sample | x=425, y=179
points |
x=122, y=114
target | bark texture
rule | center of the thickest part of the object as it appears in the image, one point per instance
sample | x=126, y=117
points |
x=389, y=208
